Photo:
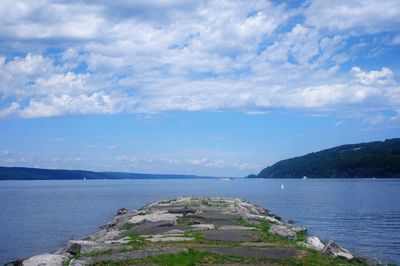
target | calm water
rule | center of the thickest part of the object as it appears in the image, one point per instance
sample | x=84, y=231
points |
x=40, y=216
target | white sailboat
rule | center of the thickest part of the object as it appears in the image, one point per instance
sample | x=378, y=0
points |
x=282, y=186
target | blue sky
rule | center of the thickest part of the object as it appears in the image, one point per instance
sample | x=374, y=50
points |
x=197, y=87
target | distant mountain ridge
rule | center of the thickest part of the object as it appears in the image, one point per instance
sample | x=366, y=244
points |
x=379, y=159
x=25, y=173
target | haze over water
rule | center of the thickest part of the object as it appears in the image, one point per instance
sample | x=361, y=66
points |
x=361, y=215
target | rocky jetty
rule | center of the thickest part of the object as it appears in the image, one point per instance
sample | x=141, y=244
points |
x=198, y=231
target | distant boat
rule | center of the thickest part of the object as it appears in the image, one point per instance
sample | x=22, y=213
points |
x=84, y=178
x=282, y=186
x=305, y=177
x=224, y=178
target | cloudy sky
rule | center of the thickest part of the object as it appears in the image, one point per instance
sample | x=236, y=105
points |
x=200, y=87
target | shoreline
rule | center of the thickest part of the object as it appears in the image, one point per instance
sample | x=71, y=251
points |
x=212, y=227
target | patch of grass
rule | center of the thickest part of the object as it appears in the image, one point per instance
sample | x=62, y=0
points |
x=206, y=202
x=198, y=236
x=267, y=237
x=67, y=262
x=136, y=241
x=189, y=258
x=98, y=253
x=302, y=236
x=195, y=257
x=263, y=225
x=102, y=252
x=184, y=221
x=127, y=226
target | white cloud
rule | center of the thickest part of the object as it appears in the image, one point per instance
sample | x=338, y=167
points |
x=65, y=104
x=364, y=16
x=374, y=77
x=12, y=109
x=209, y=55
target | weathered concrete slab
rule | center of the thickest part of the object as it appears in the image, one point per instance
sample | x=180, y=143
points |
x=272, y=253
x=155, y=217
x=219, y=215
x=152, y=228
x=237, y=227
x=233, y=235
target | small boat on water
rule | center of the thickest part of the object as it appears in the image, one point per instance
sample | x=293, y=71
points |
x=282, y=186
x=225, y=178
x=305, y=177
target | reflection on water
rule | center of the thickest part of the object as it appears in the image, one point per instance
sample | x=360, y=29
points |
x=361, y=215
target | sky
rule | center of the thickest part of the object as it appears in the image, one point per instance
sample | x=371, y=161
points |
x=221, y=88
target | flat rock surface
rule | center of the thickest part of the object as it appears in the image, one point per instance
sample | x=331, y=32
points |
x=271, y=252
x=150, y=228
x=233, y=235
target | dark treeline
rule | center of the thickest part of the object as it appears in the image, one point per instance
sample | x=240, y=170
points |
x=379, y=159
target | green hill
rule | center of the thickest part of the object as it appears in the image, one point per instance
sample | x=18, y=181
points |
x=380, y=159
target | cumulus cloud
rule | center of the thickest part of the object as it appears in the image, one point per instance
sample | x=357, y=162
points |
x=365, y=16
x=97, y=57
x=383, y=77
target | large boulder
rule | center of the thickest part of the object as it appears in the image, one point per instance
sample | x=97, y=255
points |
x=45, y=260
x=73, y=248
x=334, y=250
x=282, y=230
x=122, y=211
x=315, y=243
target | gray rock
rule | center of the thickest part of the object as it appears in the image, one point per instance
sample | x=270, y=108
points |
x=298, y=229
x=334, y=250
x=202, y=227
x=282, y=230
x=304, y=244
x=174, y=232
x=45, y=260
x=315, y=243
x=162, y=238
x=254, y=252
x=237, y=227
x=87, y=246
x=122, y=211
x=183, y=210
x=370, y=261
x=233, y=235
x=73, y=248
x=150, y=228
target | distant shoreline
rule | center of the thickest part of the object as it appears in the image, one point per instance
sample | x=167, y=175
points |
x=26, y=173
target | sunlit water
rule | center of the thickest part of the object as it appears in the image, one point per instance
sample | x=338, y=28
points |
x=361, y=215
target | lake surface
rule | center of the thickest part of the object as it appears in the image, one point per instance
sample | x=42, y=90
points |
x=361, y=215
